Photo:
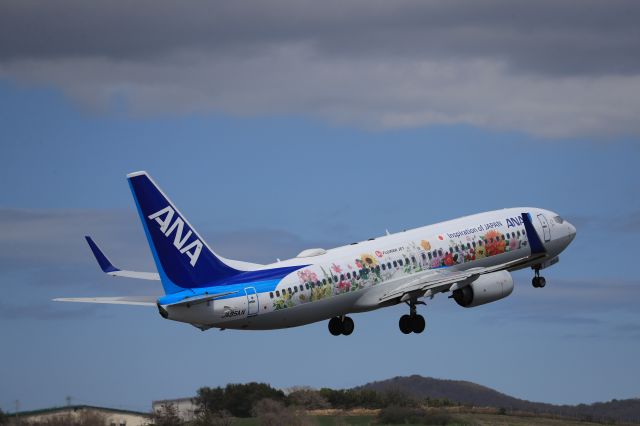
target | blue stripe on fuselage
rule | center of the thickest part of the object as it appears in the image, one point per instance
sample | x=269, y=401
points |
x=260, y=286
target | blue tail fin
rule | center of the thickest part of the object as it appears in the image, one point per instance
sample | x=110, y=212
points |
x=182, y=257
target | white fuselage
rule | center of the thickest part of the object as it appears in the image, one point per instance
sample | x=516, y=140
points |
x=353, y=278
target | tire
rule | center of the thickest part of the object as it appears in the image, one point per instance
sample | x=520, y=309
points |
x=418, y=324
x=535, y=282
x=405, y=324
x=347, y=326
x=542, y=282
x=335, y=326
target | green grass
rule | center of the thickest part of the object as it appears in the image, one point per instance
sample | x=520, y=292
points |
x=475, y=419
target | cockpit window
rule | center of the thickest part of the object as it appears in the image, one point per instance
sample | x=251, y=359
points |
x=558, y=219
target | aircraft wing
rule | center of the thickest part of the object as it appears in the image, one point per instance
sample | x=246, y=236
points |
x=120, y=300
x=108, y=268
x=442, y=280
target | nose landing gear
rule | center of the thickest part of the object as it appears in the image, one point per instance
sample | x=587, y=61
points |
x=412, y=323
x=538, y=281
x=341, y=325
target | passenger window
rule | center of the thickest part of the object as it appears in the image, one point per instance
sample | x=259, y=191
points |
x=400, y=262
x=324, y=281
x=384, y=267
x=429, y=255
x=389, y=265
x=473, y=244
x=277, y=293
x=468, y=246
x=480, y=243
x=424, y=256
x=413, y=259
x=450, y=249
x=271, y=295
x=289, y=290
x=341, y=277
x=306, y=285
x=457, y=249
x=377, y=268
x=440, y=252
x=395, y=264
x=335, y=278
x=348, y=275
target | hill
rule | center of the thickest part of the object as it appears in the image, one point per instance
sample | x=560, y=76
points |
x=469, y=393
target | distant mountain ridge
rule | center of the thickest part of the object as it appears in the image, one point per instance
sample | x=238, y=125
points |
x=470, y=393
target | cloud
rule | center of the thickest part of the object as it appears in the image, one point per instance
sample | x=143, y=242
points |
x=43, y=255
x=547, y=68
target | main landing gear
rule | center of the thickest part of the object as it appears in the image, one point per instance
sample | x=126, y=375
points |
x=538, y=281
x=341, y=325
x=412, y=323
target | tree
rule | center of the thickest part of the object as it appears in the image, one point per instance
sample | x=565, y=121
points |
x=167, y=415
x=237, y=399
x=308, y=398
x=3, y=418
x=270, y=412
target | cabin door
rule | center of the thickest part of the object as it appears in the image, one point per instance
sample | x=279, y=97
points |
x=252, y=301
x=545, y=228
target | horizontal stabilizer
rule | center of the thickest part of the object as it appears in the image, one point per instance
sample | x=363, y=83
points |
x=108, y=268
x=120, y=300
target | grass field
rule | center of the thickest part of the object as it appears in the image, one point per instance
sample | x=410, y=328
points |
x=476, y=419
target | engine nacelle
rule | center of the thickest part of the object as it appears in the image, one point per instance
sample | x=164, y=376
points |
x=487, y=288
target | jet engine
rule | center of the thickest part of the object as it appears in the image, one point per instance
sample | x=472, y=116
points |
x=487, y=288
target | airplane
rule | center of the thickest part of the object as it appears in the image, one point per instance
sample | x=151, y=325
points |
x=470, y=258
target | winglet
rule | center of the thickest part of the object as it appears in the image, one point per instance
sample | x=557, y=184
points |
x=104, y=263
x=534, y=239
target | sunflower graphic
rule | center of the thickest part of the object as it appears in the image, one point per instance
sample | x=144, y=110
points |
x=425, y=245
x=368, y=260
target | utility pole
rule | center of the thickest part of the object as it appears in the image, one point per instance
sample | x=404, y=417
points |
x=17, y=411
x=68, y=399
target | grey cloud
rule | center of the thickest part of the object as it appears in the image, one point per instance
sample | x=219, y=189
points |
x=554, y=69
x=46, y=238
x=570, y=37
x=43, y=255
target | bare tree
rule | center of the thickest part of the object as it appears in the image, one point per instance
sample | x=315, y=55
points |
x=275, y=413
x=167, y=415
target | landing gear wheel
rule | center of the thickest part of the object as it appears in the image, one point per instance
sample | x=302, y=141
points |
x=405, y=324
x=538, y=281
x=335, y=326
x=347, y=326
x=418, y=324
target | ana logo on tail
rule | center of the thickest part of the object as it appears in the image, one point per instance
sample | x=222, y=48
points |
x=164, y=218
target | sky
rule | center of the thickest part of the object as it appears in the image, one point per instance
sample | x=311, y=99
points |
x=279, y=126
